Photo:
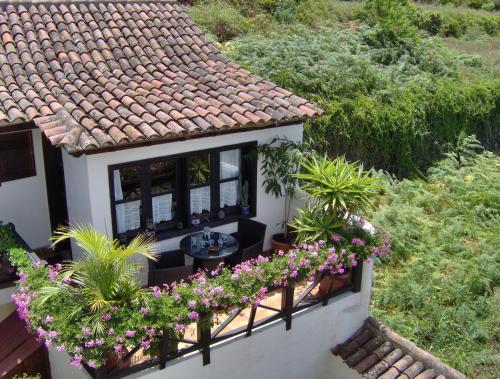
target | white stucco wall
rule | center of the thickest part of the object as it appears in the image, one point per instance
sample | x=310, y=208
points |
x=271, y=352
x=6, y=305
x=24, y=202
x=87, y=180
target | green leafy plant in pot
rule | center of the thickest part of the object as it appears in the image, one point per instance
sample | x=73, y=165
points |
x=243, y=197
x=337, y=193
x=280, y=161
x=105, y=277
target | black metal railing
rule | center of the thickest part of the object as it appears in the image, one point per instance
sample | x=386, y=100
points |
x=290, y=304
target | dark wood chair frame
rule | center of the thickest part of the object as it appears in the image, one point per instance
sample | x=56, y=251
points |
x=250, y=235
x=170, y=267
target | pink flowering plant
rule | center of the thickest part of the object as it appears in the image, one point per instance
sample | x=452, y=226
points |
x=60, y=306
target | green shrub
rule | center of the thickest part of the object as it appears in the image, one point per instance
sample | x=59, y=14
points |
x=399, y=116
x=450, y=22
x=319, y=13
x=441, y=287
x=220, y=19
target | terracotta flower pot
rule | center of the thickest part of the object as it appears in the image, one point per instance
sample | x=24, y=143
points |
x=279, y=242
x=333, y=283
x=112, y=361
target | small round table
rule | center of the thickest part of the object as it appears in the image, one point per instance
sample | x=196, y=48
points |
x=199, y=251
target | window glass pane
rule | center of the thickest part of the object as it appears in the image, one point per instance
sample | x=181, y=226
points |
x=163, y=208
x=200, y=200
x=162, y=176
x=16, y=156
x=229, y=164
x=127, y=182
x=199, y=169
x=128, y=216
x=229, y=194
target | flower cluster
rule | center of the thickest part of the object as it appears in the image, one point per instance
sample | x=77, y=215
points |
x=172, y=308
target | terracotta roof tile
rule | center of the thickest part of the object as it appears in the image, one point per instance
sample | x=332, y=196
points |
x=427, y=374
x=377, y=352
x=124, y=73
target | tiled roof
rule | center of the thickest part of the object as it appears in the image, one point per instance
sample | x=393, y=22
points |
x=375, y=351
x=98, y=75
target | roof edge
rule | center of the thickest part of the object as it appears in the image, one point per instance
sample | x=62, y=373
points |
x=409, y=347
x=185, y=137
x=58, y=2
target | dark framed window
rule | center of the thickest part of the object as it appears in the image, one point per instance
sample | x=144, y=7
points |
x=16, y=156
x=179, y=194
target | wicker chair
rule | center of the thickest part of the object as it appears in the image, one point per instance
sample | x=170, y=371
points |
x=170, y=267
x=251, y=236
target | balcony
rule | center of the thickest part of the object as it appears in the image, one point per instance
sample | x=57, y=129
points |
x=287, y=335
x=283, y=294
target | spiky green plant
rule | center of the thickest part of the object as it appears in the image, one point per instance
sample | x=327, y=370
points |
x=340, y=187
x=314, y=224
x=336, y=190
x=106, y=276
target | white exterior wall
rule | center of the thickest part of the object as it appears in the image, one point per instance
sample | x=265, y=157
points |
x=6, y=305
x=24, y=202
x=87, y=181
x=271, y=352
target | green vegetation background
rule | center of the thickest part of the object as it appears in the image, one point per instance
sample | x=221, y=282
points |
x=400, y=84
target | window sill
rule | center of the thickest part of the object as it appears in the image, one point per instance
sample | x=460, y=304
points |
x=168, y=234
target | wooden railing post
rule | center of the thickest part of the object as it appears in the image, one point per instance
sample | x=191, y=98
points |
x=287, y=303
x=164, y=349
x=204, y=336
x=251, y=320
x=357, y=277
x=326, y=297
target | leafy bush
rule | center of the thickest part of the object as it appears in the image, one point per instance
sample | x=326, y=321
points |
x=449, y=22
x=399, y=116
x=441, y=289
x=220, y=19
x=320, y=13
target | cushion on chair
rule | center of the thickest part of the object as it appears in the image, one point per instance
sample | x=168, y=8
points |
x=170, y=259
x=250, y=232
x=170, y=267
x=250, y=236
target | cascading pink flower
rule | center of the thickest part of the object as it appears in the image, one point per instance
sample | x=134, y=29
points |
x=156, y=291
x=76, y=361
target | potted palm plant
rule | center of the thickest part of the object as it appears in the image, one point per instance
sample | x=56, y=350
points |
x=105, y=278
x=337, y=191
x=280, y=161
